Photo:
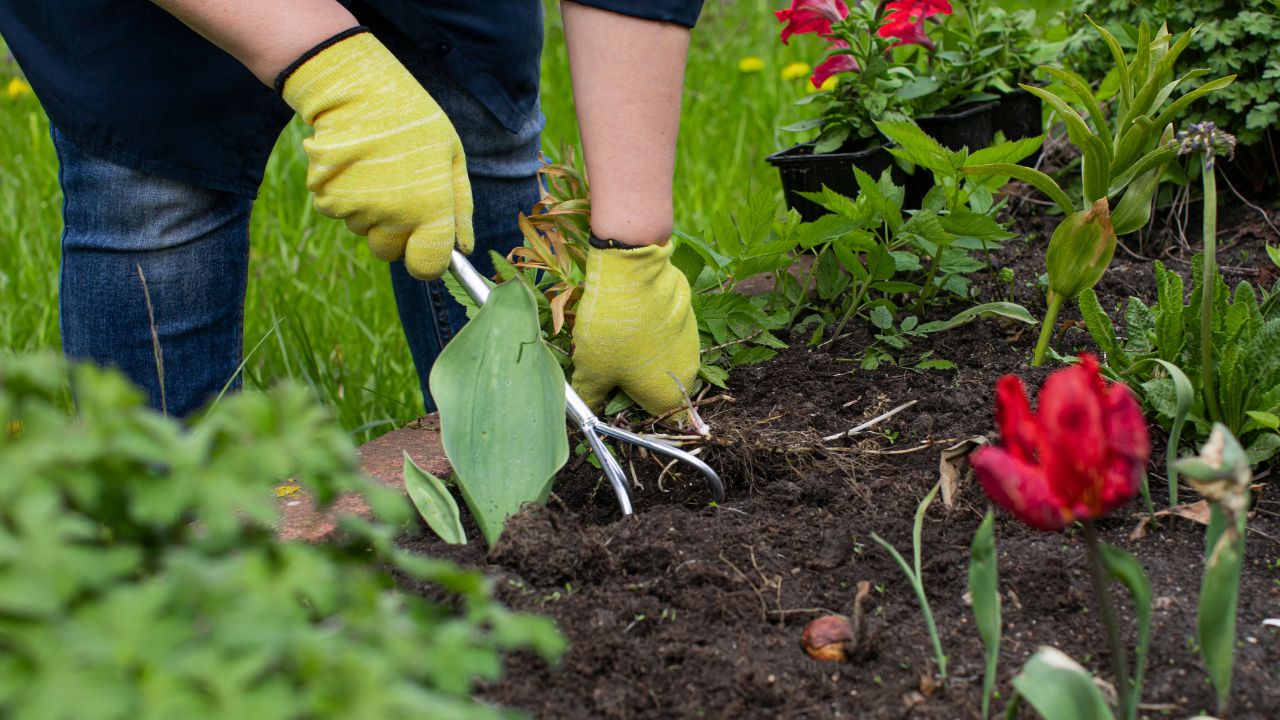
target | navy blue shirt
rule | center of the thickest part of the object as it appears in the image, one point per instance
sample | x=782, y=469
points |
x=128, y=82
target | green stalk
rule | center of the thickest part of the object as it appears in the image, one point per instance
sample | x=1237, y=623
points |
x=1209, y=290
x=1119, y=656
x=1046, y=329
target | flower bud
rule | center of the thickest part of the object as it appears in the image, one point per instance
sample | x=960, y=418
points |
x=825, y=638
x=1080, y=250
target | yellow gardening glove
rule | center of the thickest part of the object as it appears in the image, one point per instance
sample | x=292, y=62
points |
x=384, y=156
x=635, y=329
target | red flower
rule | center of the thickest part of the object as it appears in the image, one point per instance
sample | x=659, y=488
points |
x=905, y=20
x=811, y=16
x=834, y=64
x=1081, y=455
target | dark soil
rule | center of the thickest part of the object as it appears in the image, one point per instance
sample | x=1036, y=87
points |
x=690, y=610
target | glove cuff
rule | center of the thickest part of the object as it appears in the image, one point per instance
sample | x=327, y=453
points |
x=288, y=72
x=600, y=243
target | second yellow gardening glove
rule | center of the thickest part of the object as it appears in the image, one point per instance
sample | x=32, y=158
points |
x=635, y=329
x=384, y=157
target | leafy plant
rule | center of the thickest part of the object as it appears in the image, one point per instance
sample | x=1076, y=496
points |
x=917, y=580
x=874, y=81
x=985, y=50
x=140, y=567
x=1238, y=38
x=1123, y=155
x=1245, y=332
x=1221, y=474
x=502, y=404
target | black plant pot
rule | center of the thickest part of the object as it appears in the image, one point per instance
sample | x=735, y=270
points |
x=803, y=171
x=1021, y=115
x=973, y=126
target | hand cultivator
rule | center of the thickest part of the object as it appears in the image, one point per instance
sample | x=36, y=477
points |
x=586, y=421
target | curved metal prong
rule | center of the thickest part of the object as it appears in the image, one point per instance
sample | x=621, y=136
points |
x=609, y=464
x=713, y=480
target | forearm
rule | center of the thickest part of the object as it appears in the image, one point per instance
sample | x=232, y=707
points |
x=265, y=36
x=628, y=76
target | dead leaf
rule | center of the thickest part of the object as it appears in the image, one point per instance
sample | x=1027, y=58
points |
x=927, y=685
x=283, y=490
x=952, y=465
x=1197, y=512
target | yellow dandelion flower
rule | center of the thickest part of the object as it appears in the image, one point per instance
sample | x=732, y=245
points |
x=15, y=428
x=751, y=64
x=795, y=71
x=17, y=88
x=828, y=84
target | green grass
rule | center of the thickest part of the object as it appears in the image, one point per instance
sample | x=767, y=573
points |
x=319, y=307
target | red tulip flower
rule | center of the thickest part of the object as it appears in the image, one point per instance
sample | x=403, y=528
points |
x=905, y=20
x=811, y=16
x=1079, y=456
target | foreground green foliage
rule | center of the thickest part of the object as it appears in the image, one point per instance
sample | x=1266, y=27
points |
x=142, y=577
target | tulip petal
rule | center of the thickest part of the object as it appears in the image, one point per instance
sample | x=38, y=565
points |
x=1073, y=447
x=1014, y=418
x=1129, y=447
x=1020, y=488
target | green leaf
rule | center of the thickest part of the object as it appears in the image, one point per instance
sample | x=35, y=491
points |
x=502, y=403
x=1219, y=596
x=881, y=317
x=434, y=502
x=751, y=355
x=984, y=589
x=1031, y=176
x=1274, y=254
x=1265, y=419
x=715, y=375
x=1059, y=689
x=1263, y=448
x=1100, y=328
x=1013, y=311
x=1125, y=568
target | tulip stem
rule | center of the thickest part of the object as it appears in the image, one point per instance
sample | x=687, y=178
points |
x=1119, y=656
x=1046, y=328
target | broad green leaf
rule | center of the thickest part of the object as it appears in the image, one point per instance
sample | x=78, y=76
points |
x=1153, y=160
x=984, y=589
x=1265, y=419
x=1181, y=103
x=1083, y=94
x=1263, y=448
x=1059, y=689
x=1098, y=323
x=1274, y=254
x=1125, y=567
x=1031, y=176
x=501, y=399
x=1013, y=311
x=434, y=503
x=715, y=375
x=1007, y=152
x=916, y=146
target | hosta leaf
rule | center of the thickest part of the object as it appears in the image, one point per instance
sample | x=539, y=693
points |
x=501, y=399
x=434, y=503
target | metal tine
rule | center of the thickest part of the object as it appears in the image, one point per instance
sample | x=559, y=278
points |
x=612, y=470
x=713, y=479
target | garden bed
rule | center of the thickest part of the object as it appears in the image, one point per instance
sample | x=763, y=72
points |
x=693, y=611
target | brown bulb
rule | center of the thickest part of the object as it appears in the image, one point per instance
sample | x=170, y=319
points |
x=825, y=638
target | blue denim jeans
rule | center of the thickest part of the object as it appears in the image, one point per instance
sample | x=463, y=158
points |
x=141, y=251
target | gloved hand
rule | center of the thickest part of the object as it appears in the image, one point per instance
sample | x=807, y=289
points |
x=384, y=157
x=635, y=329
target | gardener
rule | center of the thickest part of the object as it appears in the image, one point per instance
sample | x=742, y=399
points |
x=420, y=109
